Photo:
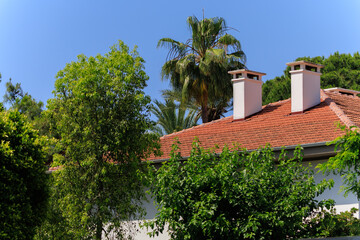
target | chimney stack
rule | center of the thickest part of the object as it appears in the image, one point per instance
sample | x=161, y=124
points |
x=305, y=85
x=247, y=93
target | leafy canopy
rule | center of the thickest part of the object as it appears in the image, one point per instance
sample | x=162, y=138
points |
x=233, y=195
x=101, y=115
x=23, y=182
x=198, y=67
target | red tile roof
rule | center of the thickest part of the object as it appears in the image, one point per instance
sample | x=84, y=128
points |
x=274, y=125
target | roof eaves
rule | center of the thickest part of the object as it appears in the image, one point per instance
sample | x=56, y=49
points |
x=275, y=149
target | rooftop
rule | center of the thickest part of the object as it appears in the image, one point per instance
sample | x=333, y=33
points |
x=274, y=125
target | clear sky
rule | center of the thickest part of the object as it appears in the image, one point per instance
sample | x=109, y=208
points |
x=39, y=37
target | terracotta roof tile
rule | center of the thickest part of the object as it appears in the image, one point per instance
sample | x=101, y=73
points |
x=349, y=104
x=274, y=125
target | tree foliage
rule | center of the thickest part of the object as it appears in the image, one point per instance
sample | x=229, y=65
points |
x=172, y=117
x=16, y=99
x=340, y=70
x=198, y=68
x=233, y=195
x=326, y=223
x=346, y=163
x=101, y=115
x=23, y=182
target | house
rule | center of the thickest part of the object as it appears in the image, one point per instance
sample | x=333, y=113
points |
x=307, y=119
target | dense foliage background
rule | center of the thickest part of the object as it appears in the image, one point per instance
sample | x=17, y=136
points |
x=340, y=70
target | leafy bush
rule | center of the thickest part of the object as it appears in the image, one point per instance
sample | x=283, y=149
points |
x=233, y=195
x=23, y=191
x=326, y=223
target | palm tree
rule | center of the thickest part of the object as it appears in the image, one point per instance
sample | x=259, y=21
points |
x=198, y=68
x=172, y=117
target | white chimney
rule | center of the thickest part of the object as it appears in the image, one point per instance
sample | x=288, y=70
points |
x=305, y=85
x=247, y=93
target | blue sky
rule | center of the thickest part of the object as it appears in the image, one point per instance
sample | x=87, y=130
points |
x=39, y=37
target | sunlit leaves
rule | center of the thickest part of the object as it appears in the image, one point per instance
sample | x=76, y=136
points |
x=101, y=115
x=23, y=183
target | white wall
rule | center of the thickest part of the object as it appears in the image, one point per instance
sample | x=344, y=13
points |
x=151, y=212
x=341, y=203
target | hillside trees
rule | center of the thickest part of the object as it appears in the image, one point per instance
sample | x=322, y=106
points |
x=233, y=195
x=340, y=70
x=101, y=116
x=23, y=182
x=198, y=67
x=23, y=102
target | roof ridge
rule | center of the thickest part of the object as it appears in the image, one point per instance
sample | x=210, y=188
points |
x=278, y=102
x=336, y=109
x=198, y=126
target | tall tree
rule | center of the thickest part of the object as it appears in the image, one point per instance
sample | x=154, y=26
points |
x=23, y=182
x=198, y=68
x=101, y=115
x=172, y=117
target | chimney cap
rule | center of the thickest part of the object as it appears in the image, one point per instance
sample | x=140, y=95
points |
x=305, y=62
x=246, y=71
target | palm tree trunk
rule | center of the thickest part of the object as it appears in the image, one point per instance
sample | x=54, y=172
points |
x=204, y=114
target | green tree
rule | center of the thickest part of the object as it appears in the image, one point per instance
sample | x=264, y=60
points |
x=198, y=68
x=13, y=92
x=340, y=70
x=233, y=195
x=173, y=117
x=23, y=102
x=23, y=182
x=101, y=115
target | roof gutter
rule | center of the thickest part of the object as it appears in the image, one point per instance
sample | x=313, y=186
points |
x=312, y=151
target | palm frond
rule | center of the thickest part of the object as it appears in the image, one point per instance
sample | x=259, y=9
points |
x=172, y=117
